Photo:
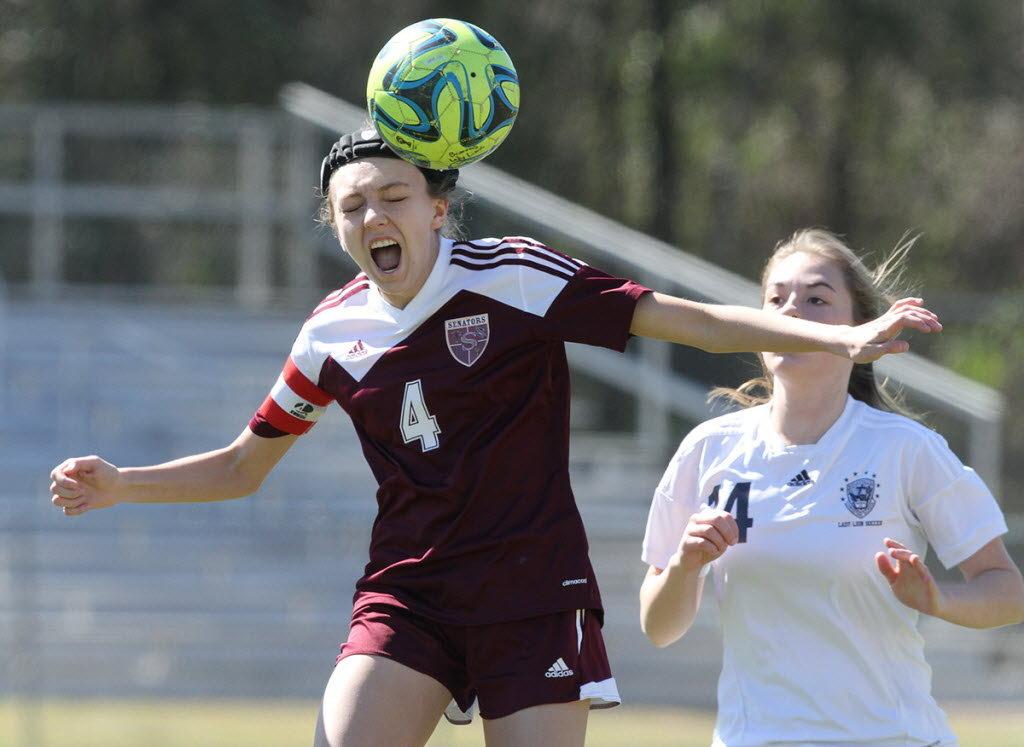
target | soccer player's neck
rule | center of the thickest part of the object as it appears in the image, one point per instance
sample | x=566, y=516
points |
x=801, y=414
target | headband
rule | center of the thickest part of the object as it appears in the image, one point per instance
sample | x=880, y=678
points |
x=369, y=144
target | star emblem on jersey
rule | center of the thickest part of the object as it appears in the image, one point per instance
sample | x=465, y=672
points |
x=467, y=337
x=859, y=493
x=559, y=669
x=800, y=479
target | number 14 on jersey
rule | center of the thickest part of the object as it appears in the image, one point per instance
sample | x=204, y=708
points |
x=739, y=497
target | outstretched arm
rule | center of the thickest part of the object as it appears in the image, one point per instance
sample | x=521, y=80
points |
x=992, y=593
x=82, y=484
x=718, y=328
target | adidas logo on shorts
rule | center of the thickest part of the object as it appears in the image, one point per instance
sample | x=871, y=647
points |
x=559, y=669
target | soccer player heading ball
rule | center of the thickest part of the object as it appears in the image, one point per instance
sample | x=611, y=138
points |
x=813, y=509
x=449, y=358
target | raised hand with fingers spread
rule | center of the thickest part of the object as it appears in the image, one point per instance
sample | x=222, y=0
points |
x=871, y=340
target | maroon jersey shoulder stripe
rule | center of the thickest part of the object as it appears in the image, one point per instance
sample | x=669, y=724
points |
x=302, y=386
x=544, y=247
x=526, y=240
x=346, y=293
x=534, y=247
x=359, y=278
x=277, y=417
x=512, y=261
x=504, y=249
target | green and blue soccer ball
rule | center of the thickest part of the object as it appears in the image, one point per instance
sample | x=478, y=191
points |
x=443, y=93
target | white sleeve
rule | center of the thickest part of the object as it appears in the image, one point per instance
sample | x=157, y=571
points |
x=956, y=509
x=675, y=500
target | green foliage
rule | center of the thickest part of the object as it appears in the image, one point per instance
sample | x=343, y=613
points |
x=720, y=126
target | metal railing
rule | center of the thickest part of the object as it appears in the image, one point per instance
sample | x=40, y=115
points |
x=271, y=192
x=663, y=265
x=107, y=387
x=265, y=143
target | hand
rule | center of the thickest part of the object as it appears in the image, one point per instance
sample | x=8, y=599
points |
x=910, y=580
x=869, y=341
x=84, y=483
x=708, y=534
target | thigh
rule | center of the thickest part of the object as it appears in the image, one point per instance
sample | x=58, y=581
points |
x=371, y=701
x=553, y=725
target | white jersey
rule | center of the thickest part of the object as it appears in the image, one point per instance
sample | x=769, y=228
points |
x=817, y=649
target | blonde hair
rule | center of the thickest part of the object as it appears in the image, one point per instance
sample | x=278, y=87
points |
x=872, y=291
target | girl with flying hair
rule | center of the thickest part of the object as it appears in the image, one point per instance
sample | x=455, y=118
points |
x=812, y=507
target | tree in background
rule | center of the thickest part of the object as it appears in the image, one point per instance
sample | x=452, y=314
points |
x=717, y=126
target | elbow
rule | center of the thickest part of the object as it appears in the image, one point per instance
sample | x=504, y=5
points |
x=659, y=641
x=660, y=638
x=1010, y=604
x=248, y=482
x=652, y=636
x=244, y=480
x=247, y=488
x=657, y=632
x=1018, y=613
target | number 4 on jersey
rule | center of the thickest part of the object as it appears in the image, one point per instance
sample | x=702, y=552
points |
x=416, y=421
x=739, y=496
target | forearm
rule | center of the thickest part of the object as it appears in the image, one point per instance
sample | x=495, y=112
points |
x=731, y=329
x=991, y=599
x=211, y=476
x=669, y=602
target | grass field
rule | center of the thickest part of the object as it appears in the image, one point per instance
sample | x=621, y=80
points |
x=194, y=723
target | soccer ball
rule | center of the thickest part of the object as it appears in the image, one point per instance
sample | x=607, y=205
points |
x=443, y=93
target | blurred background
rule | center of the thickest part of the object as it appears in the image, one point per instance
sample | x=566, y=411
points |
x=158, y=253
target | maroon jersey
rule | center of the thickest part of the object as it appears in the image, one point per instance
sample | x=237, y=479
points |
x=461, y=404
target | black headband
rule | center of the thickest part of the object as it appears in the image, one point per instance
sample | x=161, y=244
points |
x=369, y=144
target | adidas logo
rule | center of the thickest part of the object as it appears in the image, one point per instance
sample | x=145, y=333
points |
x=558, y=669
x=801, y=479
x=357, y=351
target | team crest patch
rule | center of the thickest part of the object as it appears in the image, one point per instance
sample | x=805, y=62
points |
x=467, y=337
x=859, y=493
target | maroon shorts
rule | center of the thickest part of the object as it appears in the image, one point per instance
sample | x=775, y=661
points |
x=505, y=667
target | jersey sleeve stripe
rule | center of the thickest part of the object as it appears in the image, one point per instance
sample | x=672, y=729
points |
x=303, y=387
x=343, y=295
x=521, y=244
x=467, y=259
x=272, y=413
x=559, y=273
x=539, y=247
x=541, y=250
x=507, y=249
x=295, y=404
x=487, y=244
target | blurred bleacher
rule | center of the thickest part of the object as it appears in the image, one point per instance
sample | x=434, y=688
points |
x=250, y=598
